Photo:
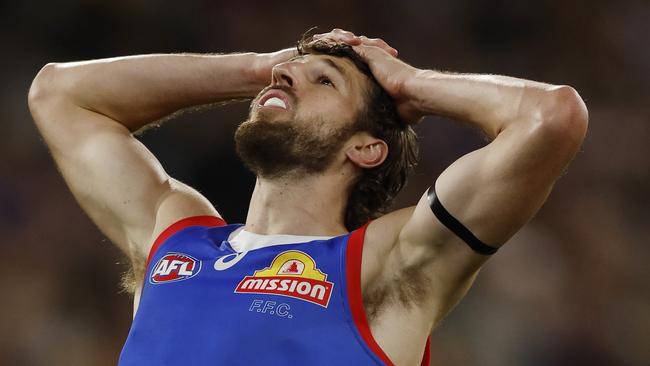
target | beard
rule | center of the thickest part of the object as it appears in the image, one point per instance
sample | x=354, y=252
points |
x=273, y=149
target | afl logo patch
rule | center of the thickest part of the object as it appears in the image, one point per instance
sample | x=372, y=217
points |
x=174, y=267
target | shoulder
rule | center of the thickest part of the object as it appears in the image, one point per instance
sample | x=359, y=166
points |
x=180, y=202
x=385, y=229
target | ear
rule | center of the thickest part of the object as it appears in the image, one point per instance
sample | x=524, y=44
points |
x=366, y=151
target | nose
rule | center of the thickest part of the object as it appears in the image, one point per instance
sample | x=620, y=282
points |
x=284, y=74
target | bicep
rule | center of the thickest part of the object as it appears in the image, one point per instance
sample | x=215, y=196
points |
x=493, y=192
x=115, y=178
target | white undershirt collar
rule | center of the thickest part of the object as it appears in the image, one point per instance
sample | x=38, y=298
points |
x=243, y=241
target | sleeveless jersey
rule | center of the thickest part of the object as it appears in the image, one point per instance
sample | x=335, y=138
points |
x=204, y=303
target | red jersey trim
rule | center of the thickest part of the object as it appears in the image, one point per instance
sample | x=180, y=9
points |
x=353, y=270
x=179, y=225
x=426, y=357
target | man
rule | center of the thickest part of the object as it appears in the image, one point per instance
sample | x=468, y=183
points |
x=330, y=142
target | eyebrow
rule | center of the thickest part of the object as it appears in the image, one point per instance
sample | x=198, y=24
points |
x=342, y=73
x=337, y=67
x=331, y=64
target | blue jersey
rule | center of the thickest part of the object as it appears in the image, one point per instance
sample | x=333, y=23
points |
x=205, y=303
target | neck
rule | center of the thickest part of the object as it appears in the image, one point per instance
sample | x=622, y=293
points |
x=306, y=205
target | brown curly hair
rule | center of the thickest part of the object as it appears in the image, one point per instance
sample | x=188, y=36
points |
x=375, y=189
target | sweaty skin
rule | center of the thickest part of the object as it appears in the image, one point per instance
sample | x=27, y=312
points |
x=414, y=270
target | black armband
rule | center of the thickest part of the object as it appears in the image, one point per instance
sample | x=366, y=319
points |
x=455, y=226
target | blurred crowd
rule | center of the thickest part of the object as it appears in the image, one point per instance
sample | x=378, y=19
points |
x=571, y=288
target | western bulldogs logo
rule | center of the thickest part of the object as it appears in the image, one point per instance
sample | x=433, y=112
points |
x=292, y=273
x=174, y=267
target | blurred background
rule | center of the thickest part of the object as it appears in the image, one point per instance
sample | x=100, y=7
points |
x=571, y=288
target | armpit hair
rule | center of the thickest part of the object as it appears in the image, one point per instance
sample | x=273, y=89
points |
x=409, y=288
x=132, y=276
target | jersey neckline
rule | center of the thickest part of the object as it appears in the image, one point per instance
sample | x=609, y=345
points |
x=242, y=241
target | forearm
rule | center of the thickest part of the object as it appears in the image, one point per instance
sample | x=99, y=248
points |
x=137, y=90
x=490, y=102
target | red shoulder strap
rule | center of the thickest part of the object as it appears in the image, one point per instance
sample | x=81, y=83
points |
x=353, y=270
x=426, y=357
x=210, y=221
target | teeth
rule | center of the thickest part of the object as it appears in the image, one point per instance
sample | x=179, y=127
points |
x=276, y=102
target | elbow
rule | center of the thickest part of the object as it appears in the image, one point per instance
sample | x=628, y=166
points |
x=42, y=87
x=46, y=89
x=564, y=115
x=42, y=84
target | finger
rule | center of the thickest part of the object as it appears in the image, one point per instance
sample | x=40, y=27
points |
x=374, y=41
x=341, y=31
x=368, y=52
x=343, y=34
x=379, y=43
x=386, y=46
x=372, y=52
x=382, y=44
x=351, y=40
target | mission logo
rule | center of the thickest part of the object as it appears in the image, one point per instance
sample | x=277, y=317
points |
x=175, y=267
x=293, y=274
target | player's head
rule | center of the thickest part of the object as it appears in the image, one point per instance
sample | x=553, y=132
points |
x=331, y=98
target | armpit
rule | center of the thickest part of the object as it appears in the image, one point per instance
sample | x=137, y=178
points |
x=409, y=288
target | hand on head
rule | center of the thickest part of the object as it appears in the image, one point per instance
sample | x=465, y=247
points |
x=339, y=35
x=390, y=72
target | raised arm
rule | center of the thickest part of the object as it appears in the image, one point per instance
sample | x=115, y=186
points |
x=535, y=128
x=87, y=111
x=535, y=131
